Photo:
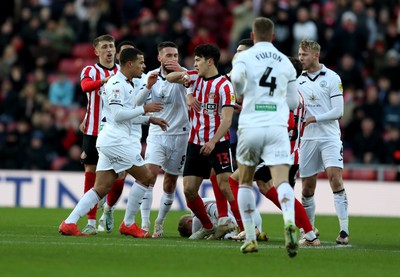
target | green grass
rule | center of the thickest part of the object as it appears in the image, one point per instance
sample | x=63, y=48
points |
x=31, y=246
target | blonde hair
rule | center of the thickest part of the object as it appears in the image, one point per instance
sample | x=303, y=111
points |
x=310, y=45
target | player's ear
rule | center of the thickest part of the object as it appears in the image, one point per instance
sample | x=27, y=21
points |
x=159, y=58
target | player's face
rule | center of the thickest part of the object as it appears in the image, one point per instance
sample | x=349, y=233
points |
x=201, y=65
x=307, y=58
x=168, y=54
x=137, y=67
x=105, y=50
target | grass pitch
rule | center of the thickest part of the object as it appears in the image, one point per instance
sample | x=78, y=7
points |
x=31, y=246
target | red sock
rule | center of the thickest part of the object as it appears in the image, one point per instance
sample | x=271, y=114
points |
x=236, y=213
x=234, y=187
x=197, y=207
x=90, y=178
x=300, y=215
x=115, y=192
x=222, y=204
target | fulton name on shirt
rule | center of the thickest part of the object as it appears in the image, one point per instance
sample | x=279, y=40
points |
x=269, y=55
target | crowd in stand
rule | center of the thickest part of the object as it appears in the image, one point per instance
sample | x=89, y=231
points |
x=42, y=105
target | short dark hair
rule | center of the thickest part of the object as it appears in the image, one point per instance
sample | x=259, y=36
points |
x=125, y=42
x=166, y=44
x=297, y=65
x=246, y=42
x=208, y=51
x=263, y=29
x=108, y=38
x=129, y=54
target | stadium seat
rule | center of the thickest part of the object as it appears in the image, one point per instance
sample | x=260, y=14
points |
x=83, y=50
x=390, y=175
x=368, y=174
x=70, y=66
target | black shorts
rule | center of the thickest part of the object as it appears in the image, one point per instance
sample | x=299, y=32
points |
x=89, y=147
x=263, y=174
x=199, y=165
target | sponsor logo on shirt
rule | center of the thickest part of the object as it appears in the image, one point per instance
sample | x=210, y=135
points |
x=266, y=107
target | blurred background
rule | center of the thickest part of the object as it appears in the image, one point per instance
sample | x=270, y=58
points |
x=44, y=44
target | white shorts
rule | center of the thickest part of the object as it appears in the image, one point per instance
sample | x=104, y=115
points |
x=119, y=158
x=315, y=156
x=268, y=143
x=169, y=152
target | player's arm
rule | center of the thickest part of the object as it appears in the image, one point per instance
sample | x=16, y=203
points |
x=292, y=96
x=238, y=79
x=88, y=84
x=180, y=77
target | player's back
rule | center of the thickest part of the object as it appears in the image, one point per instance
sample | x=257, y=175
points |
x=268, y=73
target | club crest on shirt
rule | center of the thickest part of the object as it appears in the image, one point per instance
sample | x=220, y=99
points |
x=323, y=84
x=115, y=93
x=211, y=95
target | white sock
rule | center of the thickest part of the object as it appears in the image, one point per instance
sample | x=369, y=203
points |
x=87, y=202
x=340, y=199
x=165, y=205
x=310, y=235
x=145, y=207
x=257, y=219
x=107, y=208
x=286, y=199
x=247, y=206
x=92, y=222
x=134, y=199
x=309, y=206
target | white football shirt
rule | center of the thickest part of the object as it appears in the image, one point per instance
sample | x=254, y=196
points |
x=175, y=110
x=318, y=89
x=119, y=91
x=267, y=75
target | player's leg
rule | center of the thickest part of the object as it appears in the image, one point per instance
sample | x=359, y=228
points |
x=332, y=156
x=145, y=207
x=196, y=168
x=89, y=158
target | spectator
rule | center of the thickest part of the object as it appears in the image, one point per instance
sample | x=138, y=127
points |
x=74, y=159
x=392, y=68
x=367, y=145
x=62, y=91
x=303, y=28
x=391, y=111
x=350, y=72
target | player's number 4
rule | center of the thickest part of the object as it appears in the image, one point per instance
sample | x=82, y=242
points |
x=265, y=83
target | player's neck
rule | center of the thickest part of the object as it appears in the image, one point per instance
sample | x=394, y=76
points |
x=211, y=73
x=126, y=73
x=316, y=67
x=107, y=64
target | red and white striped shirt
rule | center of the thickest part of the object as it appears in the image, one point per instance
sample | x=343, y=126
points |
x=296, y=133
x=93, y=87
x=213, y=93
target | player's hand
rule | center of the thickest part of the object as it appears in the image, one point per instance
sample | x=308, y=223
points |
x=153, y=107
x=152, y=79
x=309, y=120
x=105, y=80
x=173, y=66
x=193, y=103
x=238, y=108
x=160, y=122
x=82, y=125
x=207, y=148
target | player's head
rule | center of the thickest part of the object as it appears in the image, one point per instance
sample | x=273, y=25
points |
x=132, y=62
x=206, y=58
x=244, y=44
x=263, y=29
x=104, y=48
x=309, y=51
x=167, y=51
x=297, y=65
x=123, y=45
x=185, y=225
